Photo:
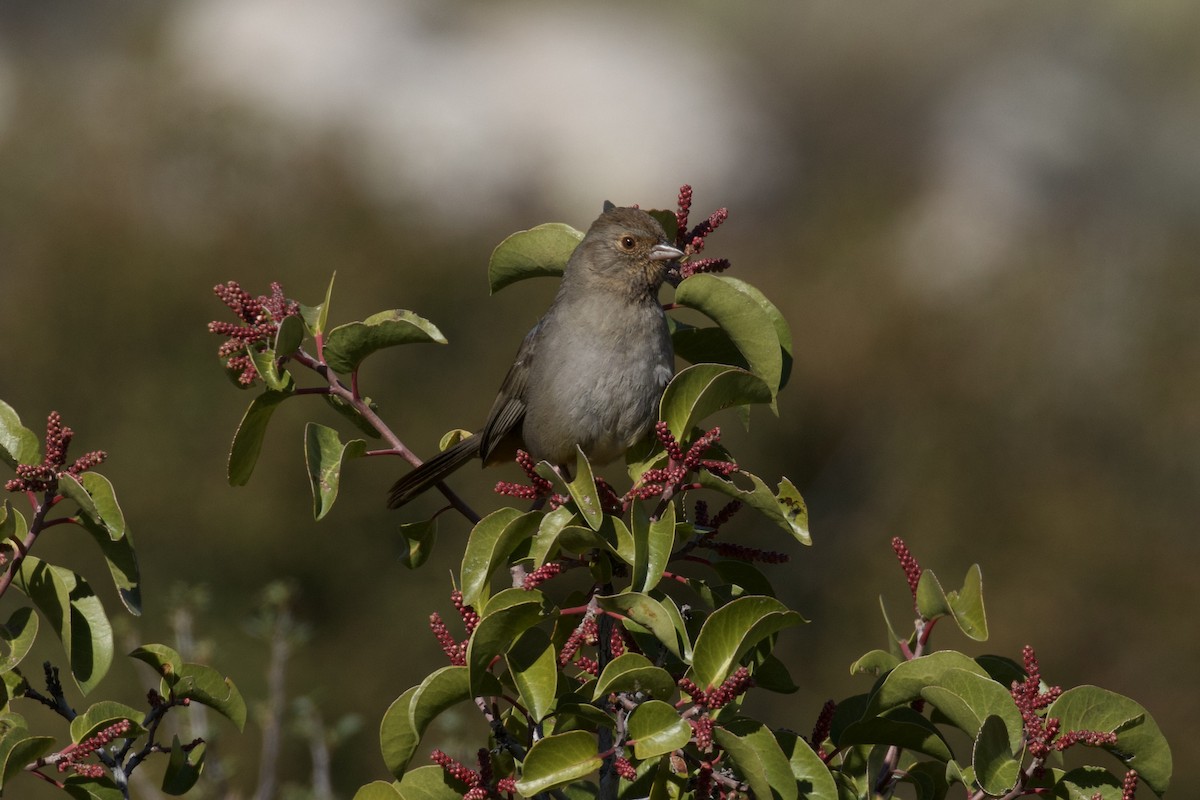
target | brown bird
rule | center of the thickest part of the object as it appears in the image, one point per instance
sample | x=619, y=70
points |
x=592, y=370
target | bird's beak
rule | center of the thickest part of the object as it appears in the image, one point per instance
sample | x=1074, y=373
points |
x=664, y=252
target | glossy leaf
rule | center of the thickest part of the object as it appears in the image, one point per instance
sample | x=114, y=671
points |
x=102, y=715
x=398, y=739
x=656, y=729
x=902, y=727
x=104, y=503
x=19, y=747
x=419, y=539
x=491, y=541
x=267, y=366
x=968, y=699
x=533, y=665
x=75, y=613
x=1084, y=783
x=288, y=336
x=430, y=783
x=18, y=444
x=347, y=345
x=704, y=389
x=785, y=507
x=317, y=317
x=102, y=788
x=18, y=635
x=742, y=317
x=538, y=252
x=206, y=686
x=545, y=543
x=162, y=659
x=378, y=790
x=324, y=455
x=759, y=758
x=495, y=634
x=965, y=606
x=996, y=768
x=556, y=760
x=813, y=779
x=633, y=672
x=583, y=491
x=875, y=663
x=652, y=546
x=248, y=440
x=651, y=615
x=184, y=765
x=904, y=684
x=731, y=631
x=1140, y=743
x=122, y=563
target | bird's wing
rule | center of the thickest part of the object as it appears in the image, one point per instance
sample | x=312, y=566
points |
x=509, y=408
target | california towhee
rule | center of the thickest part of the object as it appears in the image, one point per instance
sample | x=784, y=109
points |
x=592, y=370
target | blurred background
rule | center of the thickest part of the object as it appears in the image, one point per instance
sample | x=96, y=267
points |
x=980, y=220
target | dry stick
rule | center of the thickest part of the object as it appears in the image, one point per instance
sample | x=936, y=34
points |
x=276, y=698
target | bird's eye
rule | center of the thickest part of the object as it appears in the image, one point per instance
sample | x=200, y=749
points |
x=627, y=242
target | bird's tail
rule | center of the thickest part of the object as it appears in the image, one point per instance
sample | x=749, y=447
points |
x=435, y=470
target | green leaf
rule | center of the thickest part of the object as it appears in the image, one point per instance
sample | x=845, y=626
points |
x=104, y=503
x=1140, y=743
x=759, y=758
x=266, y=363
x=324, y=454
x=782, y=332
x=731, y=631
x=786, y=508
x=18, y=444
x=772, y=675
x=656, y=729
x=539, y=252
x=899, y=726
x=652, y=545
x=813, y=780
x=316, y=317
x=122, y=563
x=704, y=389
x=378, y=790
x=965, y=606
x=904, y=684
x=545, y=543
x=103, y=714
x=184, y=766
x=18, y=635
x=347, y=345
x=495, y=634
x=633, y=672
x=741, y=316
x=440, y=691
x=162, y=659
x=430, y=783
x=398, y=739
x=875, y=663
x=491, y=541
x=651, y=615
x=968, y=699
x=556, y=760
x=583, y=491
x=248, y=441
x=18, y=747
x=533, y=665
x=289, y=336
x=68, y=603
x=419, y=539
x=206, y=686
x=996, y=768
x=1083, y=783
x=351, y=414
x=102, y=788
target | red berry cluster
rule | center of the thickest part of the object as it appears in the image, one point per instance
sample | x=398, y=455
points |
x=912, y=570
x=705, y=701
x=72, y=756
x=821, y=727
x=724, y=515
x=655, y=482
x=587, y=633
x=692, y=241
x=541, y=575
x=260, y=317
x=481, y=784
x=1129, y=785
x=455, y=651
x=742, y=553
x=44, y=477
x=538, y=486
x=1044, y=734
x=625, y=769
